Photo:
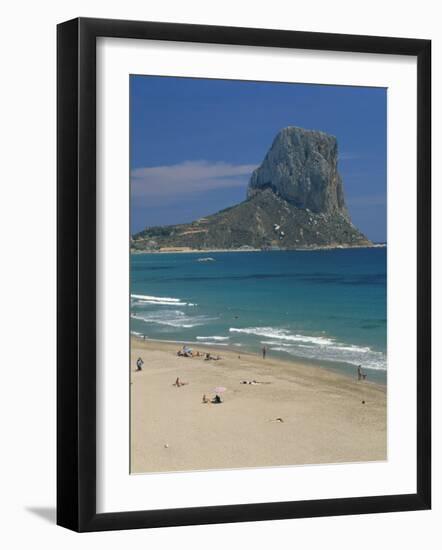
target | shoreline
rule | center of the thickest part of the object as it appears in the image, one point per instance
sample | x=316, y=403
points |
x=326, y=417
x=218, y=250
x=312, y=365
x=341, y=369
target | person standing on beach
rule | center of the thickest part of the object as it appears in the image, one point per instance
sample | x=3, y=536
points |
x=264, y=351
x=140, y=364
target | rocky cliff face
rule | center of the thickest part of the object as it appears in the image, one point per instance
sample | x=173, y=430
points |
x=302, y=168
x=295, y=199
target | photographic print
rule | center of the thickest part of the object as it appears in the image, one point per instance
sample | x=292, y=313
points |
x=222, y=267
x=258, y=274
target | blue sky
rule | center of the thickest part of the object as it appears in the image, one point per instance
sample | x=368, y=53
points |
x=195, y=142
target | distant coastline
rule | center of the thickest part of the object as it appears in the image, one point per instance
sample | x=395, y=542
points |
x=188, y=250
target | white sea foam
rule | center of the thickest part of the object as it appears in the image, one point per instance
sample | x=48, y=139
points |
x=154, y=298
x=212, y=343
x=353, y=355
x=174, y=318
x=159, y=303
x=216, y=338
x=282, y=334
x=142, y=299
x=356, y=349
x=316, y=347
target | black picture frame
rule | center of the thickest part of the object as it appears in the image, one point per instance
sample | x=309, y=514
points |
x=76, y=274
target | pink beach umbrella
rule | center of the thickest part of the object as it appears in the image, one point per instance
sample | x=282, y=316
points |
x=219, y=389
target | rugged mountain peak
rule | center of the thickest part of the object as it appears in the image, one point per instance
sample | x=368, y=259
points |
x=295, y=200
x=302, y=168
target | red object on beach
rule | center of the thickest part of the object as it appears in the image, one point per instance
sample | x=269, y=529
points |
x=219, y=389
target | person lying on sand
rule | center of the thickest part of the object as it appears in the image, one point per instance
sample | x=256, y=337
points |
x=185, y=351
x=209, y=357
x=205, y=399
x=178, y=383
x=253, y=382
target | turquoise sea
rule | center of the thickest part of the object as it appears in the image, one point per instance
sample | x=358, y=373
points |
x=325, y=307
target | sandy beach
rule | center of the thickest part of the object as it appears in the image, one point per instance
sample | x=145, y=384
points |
x=326, y=417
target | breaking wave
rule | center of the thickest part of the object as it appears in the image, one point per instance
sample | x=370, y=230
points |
x=316, y=347
x=174, y=318
x=142, y=299
x=282, y=334
x=216, y=338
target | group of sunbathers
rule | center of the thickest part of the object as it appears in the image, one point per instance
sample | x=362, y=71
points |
x=217, y=399
x=253, y=382
x=210, y=357
x=185, y=351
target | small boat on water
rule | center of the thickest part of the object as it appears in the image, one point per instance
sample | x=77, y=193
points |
x=208, y=259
